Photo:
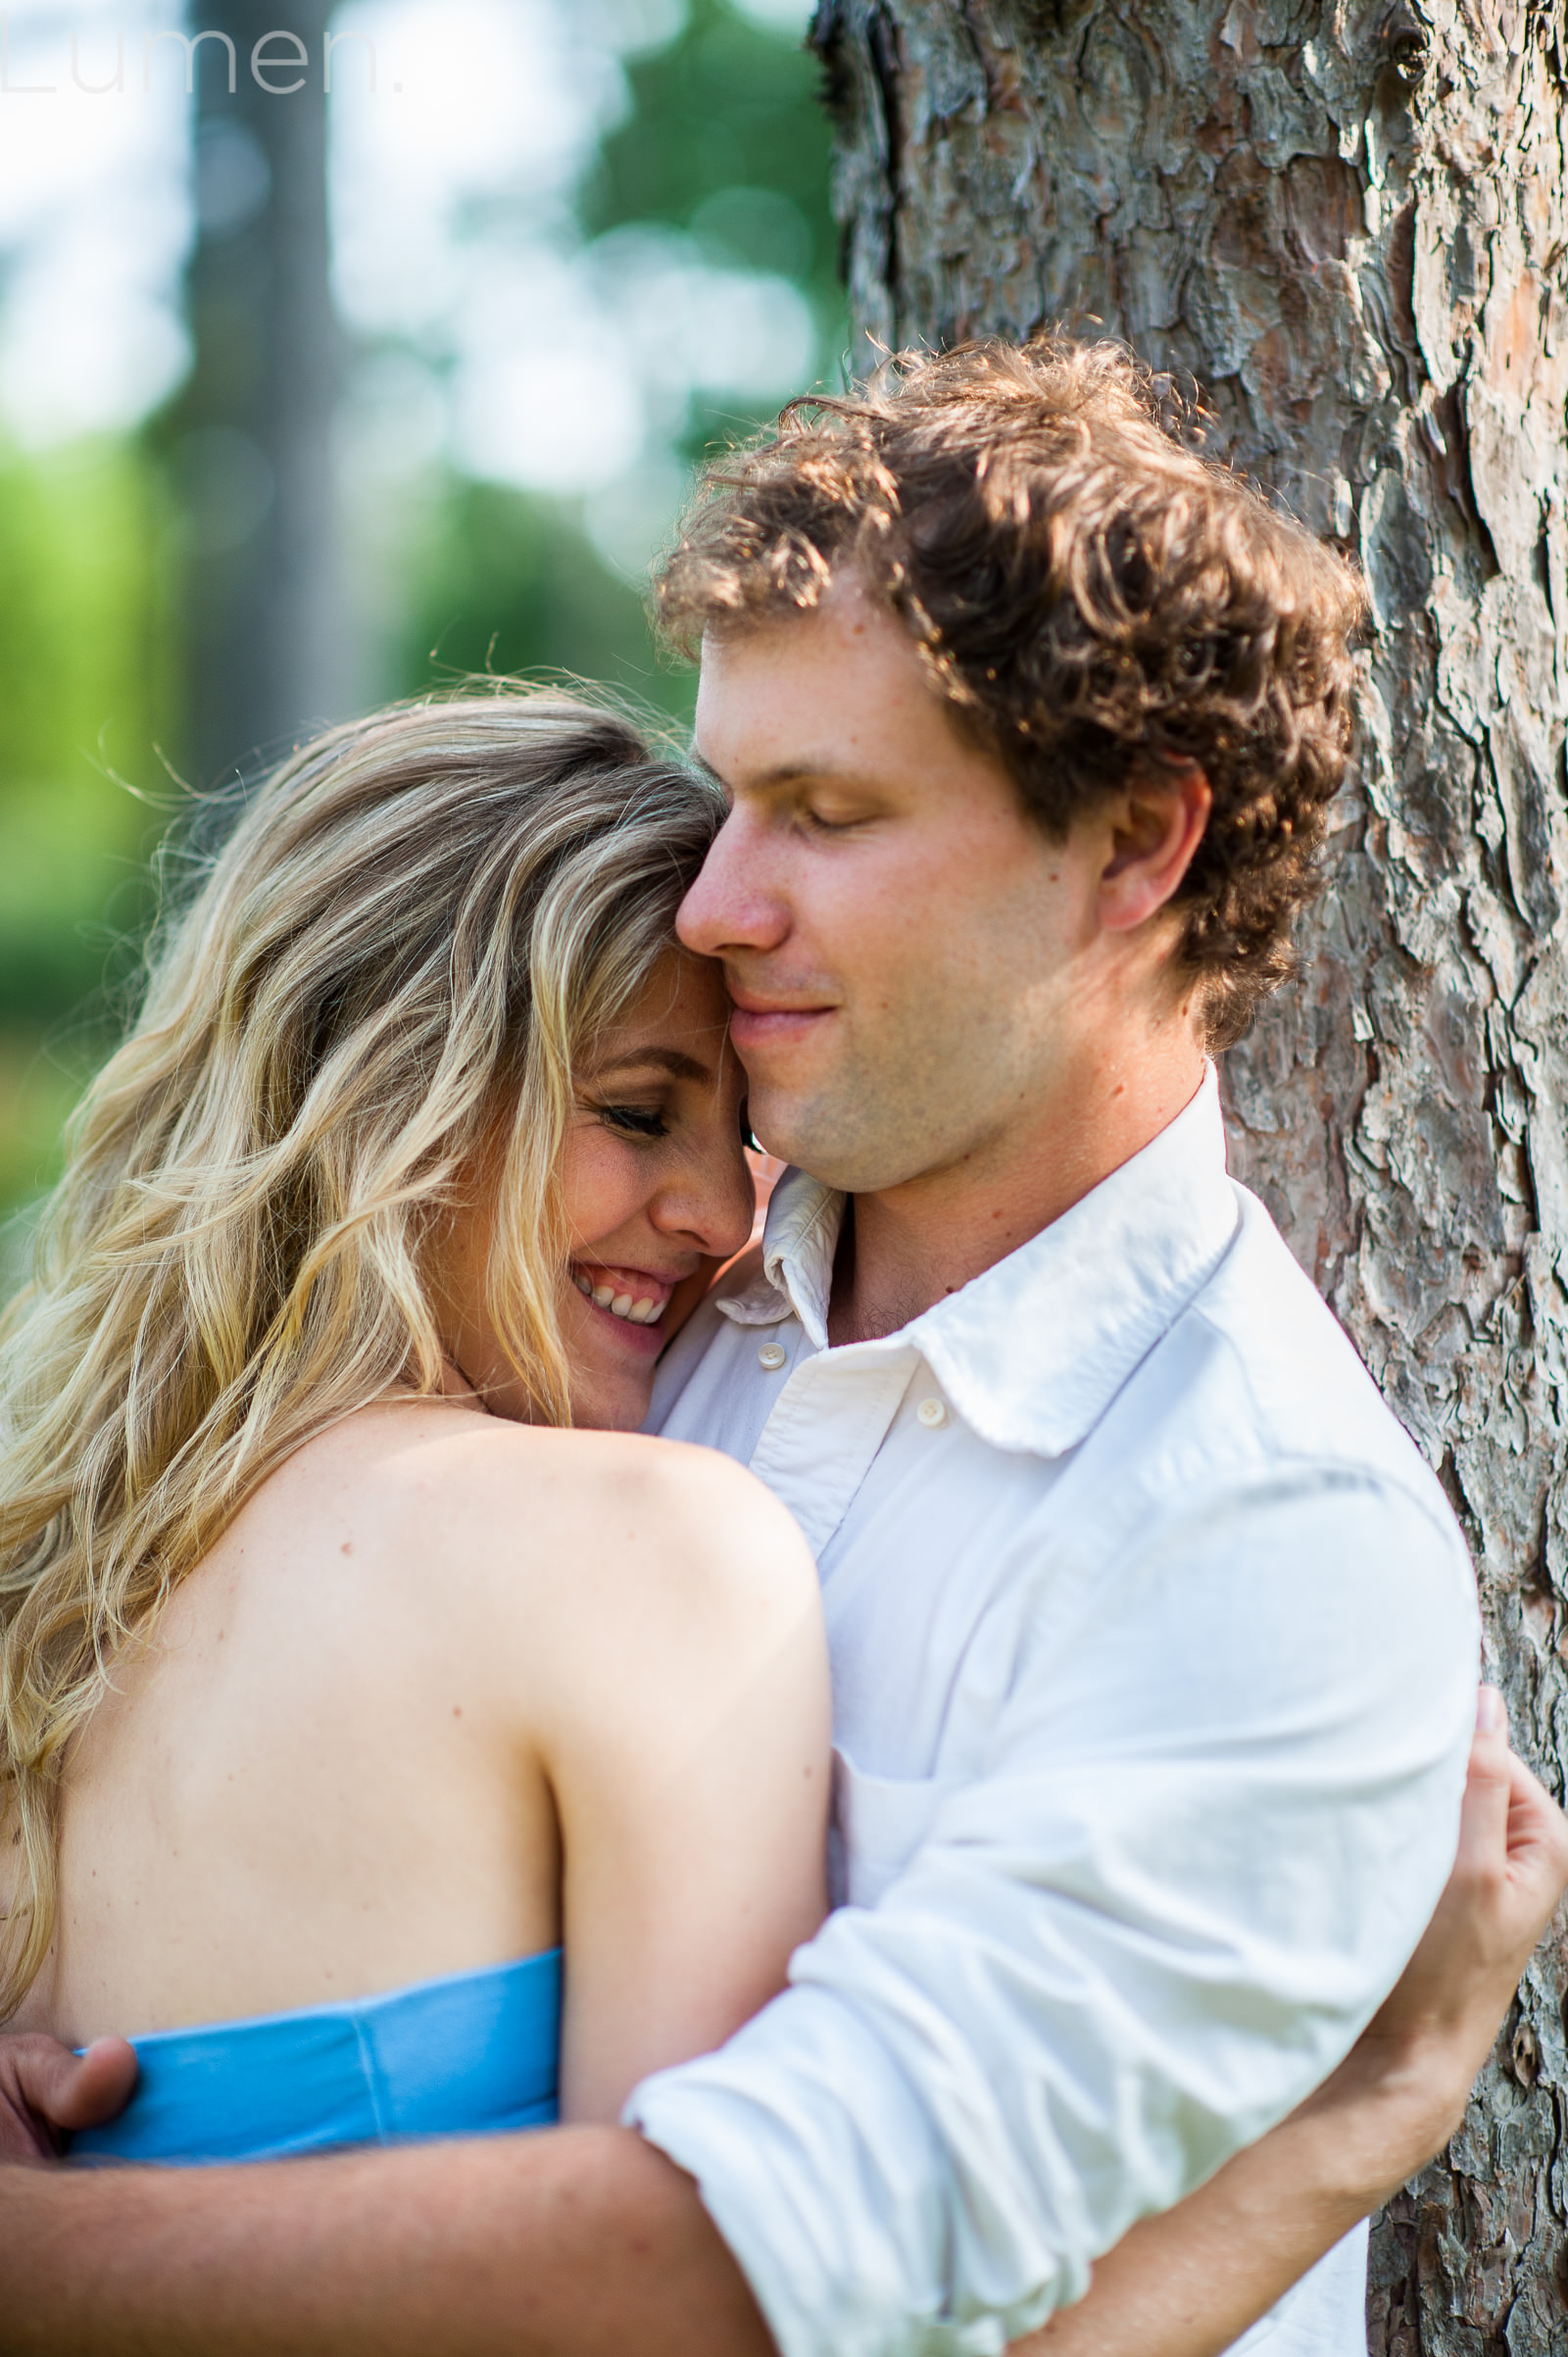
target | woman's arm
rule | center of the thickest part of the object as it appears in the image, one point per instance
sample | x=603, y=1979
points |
x=686, y=1741
x=1190, y=2283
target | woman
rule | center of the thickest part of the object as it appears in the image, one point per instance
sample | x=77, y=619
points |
x=357, y=1664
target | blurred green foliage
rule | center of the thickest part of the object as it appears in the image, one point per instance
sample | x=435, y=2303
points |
x=507, y=582
x=87, y=692
x=725, y=140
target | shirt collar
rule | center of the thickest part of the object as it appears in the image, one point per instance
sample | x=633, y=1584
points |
x=1032, y=1352
x=798, y=1245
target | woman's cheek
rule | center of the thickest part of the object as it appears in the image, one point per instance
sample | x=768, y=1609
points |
x=600, y=1184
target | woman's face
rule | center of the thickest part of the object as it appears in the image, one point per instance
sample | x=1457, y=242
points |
x=654, y=1183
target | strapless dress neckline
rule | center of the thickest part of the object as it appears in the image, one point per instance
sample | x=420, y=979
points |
x=472, y=2053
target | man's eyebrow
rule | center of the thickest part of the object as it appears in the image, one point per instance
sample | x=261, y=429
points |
x=672, y=1061
x=789, y=773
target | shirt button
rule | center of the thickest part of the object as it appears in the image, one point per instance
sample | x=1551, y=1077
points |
x=931, y=1413
x=772, y=1357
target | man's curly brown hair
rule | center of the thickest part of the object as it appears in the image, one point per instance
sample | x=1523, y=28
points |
x=1094, y=598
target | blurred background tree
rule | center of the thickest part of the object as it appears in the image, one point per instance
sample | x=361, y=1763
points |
x=249, y=438
x=310, y=396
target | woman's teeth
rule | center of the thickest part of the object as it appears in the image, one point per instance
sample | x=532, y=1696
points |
x=619, y=1304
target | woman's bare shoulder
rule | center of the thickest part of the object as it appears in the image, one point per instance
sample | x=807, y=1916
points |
x=530, y=1506
x=584, y=1600
x=696, y=1514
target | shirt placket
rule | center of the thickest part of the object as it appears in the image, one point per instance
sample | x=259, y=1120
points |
x=826, y=1429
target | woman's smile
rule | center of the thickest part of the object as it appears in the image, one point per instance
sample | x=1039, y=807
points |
x=630, y=1296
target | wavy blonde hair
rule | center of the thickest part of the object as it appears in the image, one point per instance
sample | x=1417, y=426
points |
x=389, y=974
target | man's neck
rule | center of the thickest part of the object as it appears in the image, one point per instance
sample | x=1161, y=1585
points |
x=908, y=1248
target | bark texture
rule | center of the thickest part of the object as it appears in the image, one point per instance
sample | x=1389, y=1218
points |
x=1348, y=221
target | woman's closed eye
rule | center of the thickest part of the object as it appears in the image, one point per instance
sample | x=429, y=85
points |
x=634, y=1120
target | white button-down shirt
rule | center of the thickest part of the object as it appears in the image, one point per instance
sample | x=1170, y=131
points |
x=1154, y=1647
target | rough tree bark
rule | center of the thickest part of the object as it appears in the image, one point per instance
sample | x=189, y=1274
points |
x=1348, y=221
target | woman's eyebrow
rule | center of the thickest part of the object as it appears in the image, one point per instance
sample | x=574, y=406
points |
x=672, y=1061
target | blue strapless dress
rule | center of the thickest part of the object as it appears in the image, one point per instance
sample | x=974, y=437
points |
x=472, y=2055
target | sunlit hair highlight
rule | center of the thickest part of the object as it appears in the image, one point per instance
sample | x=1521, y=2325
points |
x=384, y=983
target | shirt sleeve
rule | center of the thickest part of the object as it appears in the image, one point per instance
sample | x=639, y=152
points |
x=1220, y=1805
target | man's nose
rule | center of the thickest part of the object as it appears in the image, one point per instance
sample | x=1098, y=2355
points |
x=734, y=904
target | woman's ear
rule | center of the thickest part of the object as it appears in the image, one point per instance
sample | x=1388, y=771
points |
x=1157, y=823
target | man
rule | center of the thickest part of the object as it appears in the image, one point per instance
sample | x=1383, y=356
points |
x=1154, y=1642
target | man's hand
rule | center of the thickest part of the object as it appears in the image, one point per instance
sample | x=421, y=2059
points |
x=1189, y=2284
x=1433, y=2037
x=46, y=2091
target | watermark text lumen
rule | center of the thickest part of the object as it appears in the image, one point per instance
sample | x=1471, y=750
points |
x=279, y=62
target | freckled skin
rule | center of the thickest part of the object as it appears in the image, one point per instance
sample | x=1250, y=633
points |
x=649, y=1212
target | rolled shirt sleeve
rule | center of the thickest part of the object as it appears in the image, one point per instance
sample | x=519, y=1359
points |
x=1219, y=1805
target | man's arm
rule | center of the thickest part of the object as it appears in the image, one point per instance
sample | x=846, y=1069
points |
x=581, y=2242
x=585, y=2243
x=588, y=2242
x=1222, y=1771
x=1190, y=2283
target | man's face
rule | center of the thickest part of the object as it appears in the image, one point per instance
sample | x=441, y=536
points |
x=909, y=953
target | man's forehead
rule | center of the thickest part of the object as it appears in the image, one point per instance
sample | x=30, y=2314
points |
x=843, y=614
x=811, y=694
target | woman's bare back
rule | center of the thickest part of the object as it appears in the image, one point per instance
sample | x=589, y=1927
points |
x=433, y=1649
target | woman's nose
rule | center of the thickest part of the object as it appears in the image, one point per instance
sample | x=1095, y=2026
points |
x=717, y=1203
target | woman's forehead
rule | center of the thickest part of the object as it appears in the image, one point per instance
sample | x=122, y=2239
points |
x=678, y=1021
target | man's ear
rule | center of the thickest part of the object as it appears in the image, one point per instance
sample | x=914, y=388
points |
x=1156, y=825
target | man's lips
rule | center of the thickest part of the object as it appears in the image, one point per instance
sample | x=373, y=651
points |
x=758, y=1023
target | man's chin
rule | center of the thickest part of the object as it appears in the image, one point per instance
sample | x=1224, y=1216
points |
x=823, y=1136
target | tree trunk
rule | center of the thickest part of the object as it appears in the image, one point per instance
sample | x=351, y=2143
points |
x=253, y=461
x=1348, y=222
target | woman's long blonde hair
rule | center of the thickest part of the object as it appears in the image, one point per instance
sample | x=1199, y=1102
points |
x=386, y=979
